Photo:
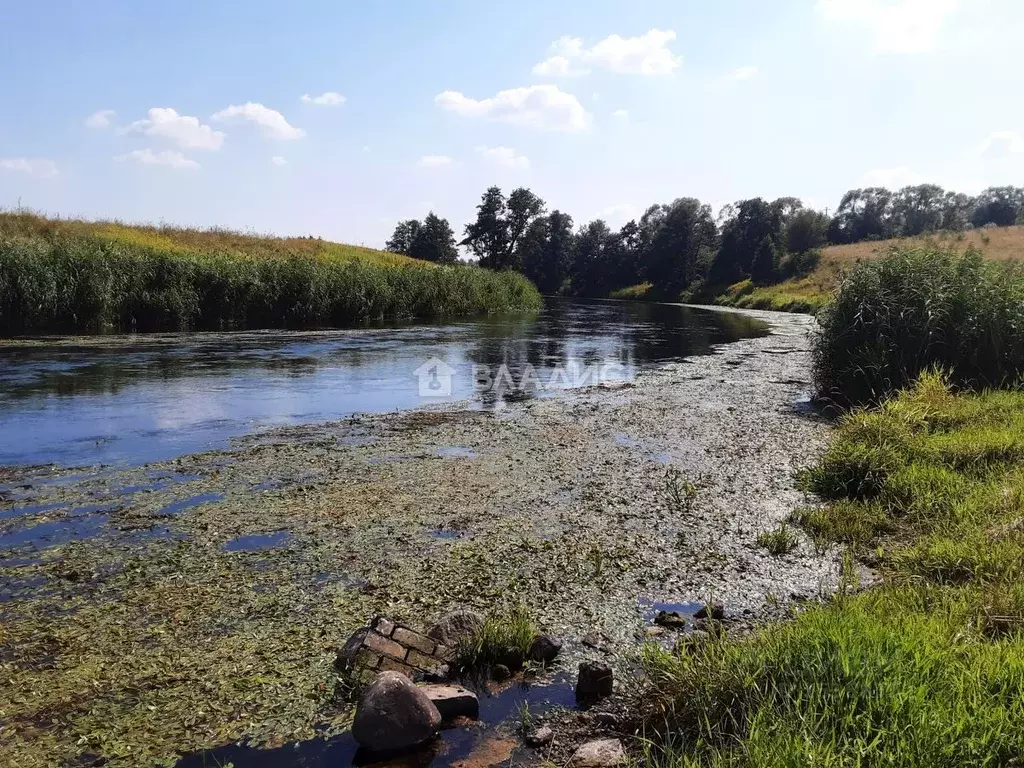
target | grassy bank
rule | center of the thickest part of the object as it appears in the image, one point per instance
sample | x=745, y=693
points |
x=82, y=276
x=927, y=669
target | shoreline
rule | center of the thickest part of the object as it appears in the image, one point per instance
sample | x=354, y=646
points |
x=558, y=503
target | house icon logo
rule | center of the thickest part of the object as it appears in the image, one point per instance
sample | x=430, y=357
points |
x=435, y=377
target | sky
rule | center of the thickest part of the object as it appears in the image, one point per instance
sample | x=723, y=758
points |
x=338, y=119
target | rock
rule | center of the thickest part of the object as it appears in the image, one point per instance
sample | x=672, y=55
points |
x=452, y=701
x=605, y=753
x=595, y=681
x=714, y=611
x=606, y=720
x=394, y=715
x=540, y=737
x=670, y=619
x=689, y=643
x=457, y=628
x=599, y=641
x=654, y=631
x=545, y=649
x=500, y=672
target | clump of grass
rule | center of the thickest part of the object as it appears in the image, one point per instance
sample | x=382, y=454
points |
x=913, y=310
x=76, y=276
x=778, y=541
x=680, y=492
x=505, y=638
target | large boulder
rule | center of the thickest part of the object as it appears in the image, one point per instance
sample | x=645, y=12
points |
x=394, y=715
x=452, y=701
x=605, y=753
x=457, y=628
x=595, y=681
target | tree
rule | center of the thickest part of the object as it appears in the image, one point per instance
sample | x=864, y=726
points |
x=998, y=205
x=917, y=209
x=402, y=239
x=546, y=251
x=676, y=239
x=806, y=231
x=743, y=241
x=863, y=214
x=500, y=224
x=590, y=273
x=435, y=241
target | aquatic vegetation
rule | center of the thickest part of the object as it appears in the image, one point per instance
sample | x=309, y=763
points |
x=74, y=276
x=505, y=638
x=680, y=491
x=778, y=541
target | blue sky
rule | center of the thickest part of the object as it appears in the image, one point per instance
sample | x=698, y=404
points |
x=193, y=112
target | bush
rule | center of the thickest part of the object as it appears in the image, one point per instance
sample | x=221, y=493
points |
x=894, y=317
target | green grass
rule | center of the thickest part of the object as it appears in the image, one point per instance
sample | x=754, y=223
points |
x=897, y=316
x=639, y=292
x=58, y=275
x=778, y=541
x=792, y=296
x=505, y=638
x=926, y=669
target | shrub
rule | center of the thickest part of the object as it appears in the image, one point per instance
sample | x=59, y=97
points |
x=897, y=316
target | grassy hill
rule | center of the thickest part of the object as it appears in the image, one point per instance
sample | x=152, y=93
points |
x=71, y=275
x=806, y=294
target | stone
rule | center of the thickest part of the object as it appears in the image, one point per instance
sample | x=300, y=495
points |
x=607, y=720
x=714, y=611
x=654, y=631
x=453, y=701
x=544, y=649
x=351, y=657
x=595, y=681
x=456, y=628
x=500, y=672
x=604, y=753
x=414, y=640
x=540, y=737
x=385, y=647
x=670, y=619
x=599, y=641
x=394, y=715
x=384, y=626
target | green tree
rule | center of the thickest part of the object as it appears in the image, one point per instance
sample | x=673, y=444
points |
x=743, y=241
x=434, y=241
x=806, y=231
x=500, y=225
x=404, y=236
x=546, y=251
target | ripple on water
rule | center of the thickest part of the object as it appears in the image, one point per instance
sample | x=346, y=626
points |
x=258, y=541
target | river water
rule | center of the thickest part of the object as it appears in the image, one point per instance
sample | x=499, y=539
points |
x=130, y=400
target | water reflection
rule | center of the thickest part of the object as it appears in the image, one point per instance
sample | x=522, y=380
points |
x=135, y=399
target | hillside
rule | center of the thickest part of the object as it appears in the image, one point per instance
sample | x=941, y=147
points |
x=806, y=294
x=70, y=275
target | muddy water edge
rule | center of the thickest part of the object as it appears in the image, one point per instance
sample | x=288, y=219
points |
x=214, y=614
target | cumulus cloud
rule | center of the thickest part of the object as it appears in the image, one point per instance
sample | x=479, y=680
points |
x=185, y=131
x=168, y=157
x=100, y=119
x=620, y=213
x=271, y=122
x=546, y=107
x=434, y=161
x=327, y=99
x=891, y=178
x=278, y=160
x=621, y=114
x=33, y=166
x=647, y=54
x=504, y=156
x=744, y=73
x=897, y=26
x=1001, y=144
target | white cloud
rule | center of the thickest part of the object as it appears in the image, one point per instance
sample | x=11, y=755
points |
x=621, y=114
x=167, y=157
x=744, y=73
x=434, y=161
x=891, y=178
x=278, y=160
x=546, y=107
x=185, y=131
x=647, y=54
x=505, y=157
x=100, y=119
x=619, y=214
x=327, y=99
x=1001, y=144
x=897, y=26
x=33, y=166
x=271, y=122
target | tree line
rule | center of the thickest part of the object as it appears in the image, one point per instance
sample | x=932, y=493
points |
x=683, y=246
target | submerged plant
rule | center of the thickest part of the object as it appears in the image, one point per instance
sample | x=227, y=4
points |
x=680, y=491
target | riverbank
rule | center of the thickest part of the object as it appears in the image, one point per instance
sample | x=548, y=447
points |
x=209, y=608
x=77, y=276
